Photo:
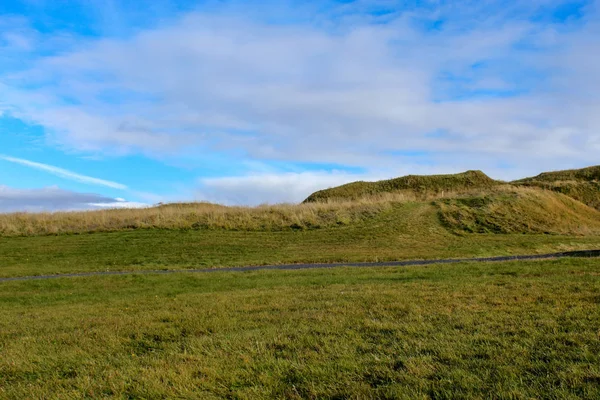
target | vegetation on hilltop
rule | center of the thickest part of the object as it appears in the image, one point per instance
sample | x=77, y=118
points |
x=589, y=174
x=420, y=185
x=581, y=184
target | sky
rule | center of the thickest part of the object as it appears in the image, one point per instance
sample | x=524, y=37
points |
x=107, y=103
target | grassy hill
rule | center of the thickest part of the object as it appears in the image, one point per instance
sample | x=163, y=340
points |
x=423, y=217
x=565, y=202
x=580, y=184
x=519, y=210
x=419, y=185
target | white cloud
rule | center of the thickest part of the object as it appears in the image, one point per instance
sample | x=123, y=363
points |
x=265, y=185
x=344, y=90
x=56, y=199
x=292, y=187
x=63, y=173
x=119, y=203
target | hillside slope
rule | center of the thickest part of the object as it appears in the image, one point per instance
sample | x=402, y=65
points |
x=581, y=184
x=469, y=202
x=519, y=210
x=418, y=184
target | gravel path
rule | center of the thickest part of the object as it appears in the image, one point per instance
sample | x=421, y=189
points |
x=583, y=253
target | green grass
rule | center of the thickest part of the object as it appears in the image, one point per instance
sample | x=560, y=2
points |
x=471, y=330
x=475, y=330
x=404, y=231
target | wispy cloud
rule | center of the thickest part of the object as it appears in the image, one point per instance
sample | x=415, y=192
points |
x=63, y=173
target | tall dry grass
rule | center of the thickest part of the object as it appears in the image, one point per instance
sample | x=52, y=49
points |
x=520, y=210
x=321, y=214
x=199, y=216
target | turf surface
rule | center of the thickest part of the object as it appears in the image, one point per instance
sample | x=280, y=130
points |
x=474, y=330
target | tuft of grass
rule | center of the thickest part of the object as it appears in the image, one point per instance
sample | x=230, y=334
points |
x=421, y=186
x=511, y=330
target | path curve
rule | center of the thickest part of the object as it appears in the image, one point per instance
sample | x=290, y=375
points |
x=407, y=263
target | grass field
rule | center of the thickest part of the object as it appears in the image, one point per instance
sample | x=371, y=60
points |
x=504, y=330
x=473, y=330
x=409, y=230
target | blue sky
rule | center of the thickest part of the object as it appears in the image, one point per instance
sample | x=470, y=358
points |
x=125, y=103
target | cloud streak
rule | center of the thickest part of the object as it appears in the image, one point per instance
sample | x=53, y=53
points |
x=63, y=173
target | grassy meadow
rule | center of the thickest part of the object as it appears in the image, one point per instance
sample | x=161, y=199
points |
x=473, y=330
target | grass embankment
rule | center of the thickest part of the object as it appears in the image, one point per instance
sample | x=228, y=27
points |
x=409, y=230
x=519, y=211
x=510, y=330
x=580, y=184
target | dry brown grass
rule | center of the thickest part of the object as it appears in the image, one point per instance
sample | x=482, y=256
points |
x=501, y=209
x=511, y=209
x=196, y=216
x=321, y=214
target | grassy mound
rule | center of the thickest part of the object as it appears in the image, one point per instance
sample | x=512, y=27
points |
x=581, y=184
x=420, y=185
x=519, y=210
